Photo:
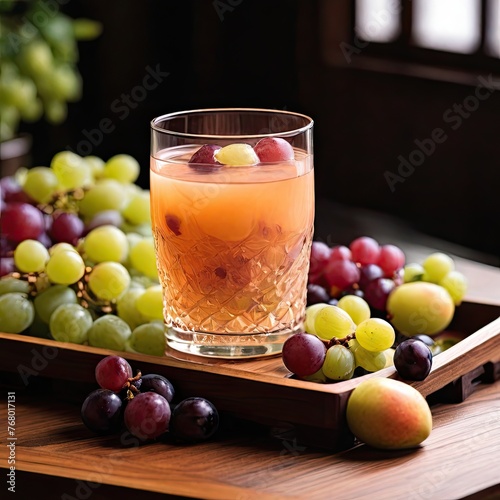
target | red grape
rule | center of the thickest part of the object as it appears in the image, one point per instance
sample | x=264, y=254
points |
x=112, y=373
x=320, y=254
x=21, y=221
x=340, y=252
x=413, y=359
x=66, y=228
x=12, y=192
x=391, y=259
x=205, y=156
x=303, y=354
x=365, y=250
x=102, y=411
x=147, y=415
x=271, y=149
x=341, y=274
x=194, y=419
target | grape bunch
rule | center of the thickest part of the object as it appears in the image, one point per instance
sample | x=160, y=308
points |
x=338, y=340
x=38, y=68
x=144, y=405
x=77, y=255
x=363, y=268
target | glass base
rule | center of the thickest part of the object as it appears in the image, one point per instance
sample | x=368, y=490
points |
x=228, y=346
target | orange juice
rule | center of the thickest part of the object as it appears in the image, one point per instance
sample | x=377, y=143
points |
x=232, y=244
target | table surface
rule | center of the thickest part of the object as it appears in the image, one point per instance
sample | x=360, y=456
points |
x=56, y=457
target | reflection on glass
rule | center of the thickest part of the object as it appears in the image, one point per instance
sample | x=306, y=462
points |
x=451, y=25
x=493, y=28
x=377, y=20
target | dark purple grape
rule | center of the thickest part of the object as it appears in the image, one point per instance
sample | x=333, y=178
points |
x=413, y=359
x=7, y=247
x=159, y=384
x=205, y=157
x=316, y=294
x=112, y=373
x=194, y=419
x=368, y=273
x=67, y=228
x=147, y=415
x=45, y=240
x=102, y=411
x=303, y=354
x=377, y=291
x=428, y=341
x=333, y=302
x=6, y=265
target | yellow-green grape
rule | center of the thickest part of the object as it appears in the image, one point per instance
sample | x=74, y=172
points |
x=50, y=299
x=71, y=170
x=437, y=266
x=150, y=303
x=40, y=184
x=143, y=258
x=106, y=243
x=66, y=82
x=86, y=29
x=332, y=321
x=70, y=323
x=58, y=247
x=109, y=332
x=126, y=306
x=370, y=361
x=389, y=357
x=65, y=267
x=456, y=285
x=311, y=312
x=319, y=377
x=138, y=209
x=33, y=112
x=56, y=112
x=237, y=154
x=357, y=307
x=106, y=194
x=96, y=166
x=148, y=338
x=9, y=284
x=123, y=168
x=16, y=312
x=36, y=58
x=108, y=280
x=413, y=272
x=375, y=334
x=339, y=363
x=30, y=256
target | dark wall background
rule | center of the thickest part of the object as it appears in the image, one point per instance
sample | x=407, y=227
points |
x=271, y=54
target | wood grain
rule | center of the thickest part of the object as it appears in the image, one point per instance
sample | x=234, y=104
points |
x=458, y=459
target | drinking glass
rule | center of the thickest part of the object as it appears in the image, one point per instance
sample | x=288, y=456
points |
x=232, y=241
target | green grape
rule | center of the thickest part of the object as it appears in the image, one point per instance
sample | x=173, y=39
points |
x=357, y=307
x=65, y=267
x=126, y=307
x=389, y=357
x=51, y=298
x=86, y=29
x=148, y=338
x=70, y=323
x=413, y=272
x=332, y=321
x=108, y=280
x=339, y=363
x=8, y=284
x=319, y=377
x=70, y=169
x=56, y=112
x=138, y=209
x=96, y=166
x=107, y=194
x=375, y=334
x=456, y=285
x=66, y=83
x=143, y=230
x=36, y=58
x=106, y=243
x=311, y=312
x=16, y=312
x=30, y=256
x=437, y=266
x=58, y=247
x=40, y=183
x=39, y=328
x=33, y=112
x=370, y=361
x=150, y=303
x=109, y=332
x=123, y=168
x=143, y=258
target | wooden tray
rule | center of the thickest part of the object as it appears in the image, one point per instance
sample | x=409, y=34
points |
x=261, y=390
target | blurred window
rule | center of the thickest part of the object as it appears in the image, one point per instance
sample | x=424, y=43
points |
x=493, y=28
x=378, y=20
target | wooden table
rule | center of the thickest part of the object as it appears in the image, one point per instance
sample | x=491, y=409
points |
x=57, y=457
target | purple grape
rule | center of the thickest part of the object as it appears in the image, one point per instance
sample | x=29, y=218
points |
x=67, y=228
x=413, y=359
x=7, y=247
x=21, y=221
x=112, y=373
x=147, y=415
x=320, y=254
x=158, y=384
x=377, y=291
x=194, y=419
x=102, y=411
x=12, y=192
x=205, y=156
x=303, y=354
x=316, y=294
x=428, y=341
x=6, y=265
x=45, y=240
x=368, y=273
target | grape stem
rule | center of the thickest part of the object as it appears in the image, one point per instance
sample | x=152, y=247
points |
x=336, y=341
x=131, y=388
